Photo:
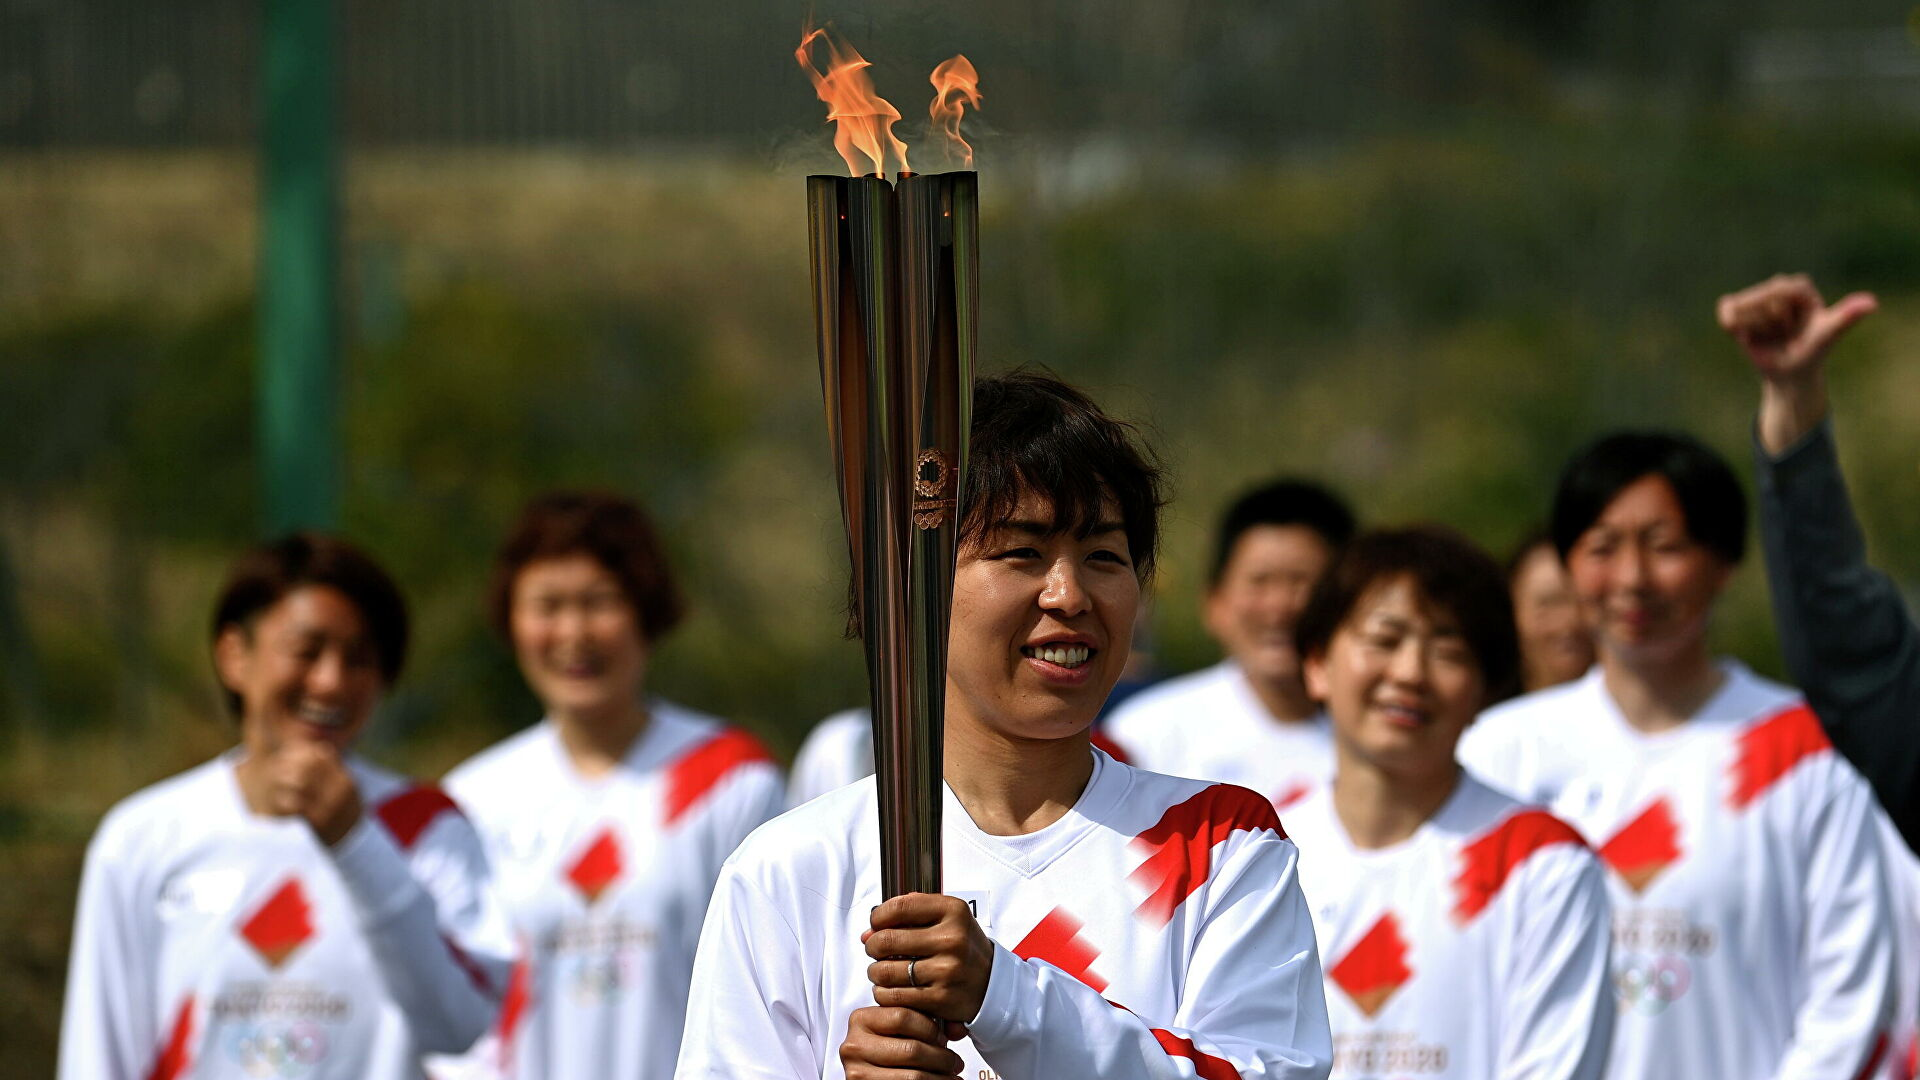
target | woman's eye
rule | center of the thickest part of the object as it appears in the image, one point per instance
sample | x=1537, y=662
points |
x=1109, y=555
x=1020, y=553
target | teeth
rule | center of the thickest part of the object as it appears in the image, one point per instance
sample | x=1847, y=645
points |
x=323, y=717
x=1067, y=656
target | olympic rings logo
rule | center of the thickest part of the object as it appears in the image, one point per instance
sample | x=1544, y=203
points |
x=1650, y=984
x=270, y=1050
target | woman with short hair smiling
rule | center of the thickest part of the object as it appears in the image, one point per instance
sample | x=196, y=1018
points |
x=1102, y=920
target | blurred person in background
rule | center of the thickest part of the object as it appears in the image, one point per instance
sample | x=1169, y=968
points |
x=1555, y=646
x=1248, y=720
x=607, y=820
x=1465, y=934
x=287, y=909
x=1845, y=631
x=1753, y=919
x=1078, y=883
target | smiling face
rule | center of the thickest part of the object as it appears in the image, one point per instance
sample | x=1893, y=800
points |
x=1645, y=586
x=577, y=638
x=1262, y=589
x=304, y=669
x=1042, y=623
x=1399, y=680
x=1554, y=644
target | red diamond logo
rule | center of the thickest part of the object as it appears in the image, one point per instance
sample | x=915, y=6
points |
x=281, y=925
x=1375, y=968
x=598, y=866
x=1643, y=849
x=1057, y=941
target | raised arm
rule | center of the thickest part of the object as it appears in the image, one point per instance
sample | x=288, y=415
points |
x=1844, y=628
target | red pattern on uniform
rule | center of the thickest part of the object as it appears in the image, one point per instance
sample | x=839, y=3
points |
x=513, y=1009
x=1488, y=861
x=1179, y=848
x=598, y=866
x=1057, y=941
x=1771, y=748
x=1878, y=1052
x=1205, y=1065
x=1291, y=794
x=174, y=1057
x=1644, y=847
x=408, y=814
x=1101, y=741
x=1375, y=968
x=699, y=769
x=281, y=925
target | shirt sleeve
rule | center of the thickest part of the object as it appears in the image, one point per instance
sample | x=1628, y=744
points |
x=1556, y=1022
x=438, y=934
x=1847, y=1002
x=1845, y=631
x=829, y=760
x=752, y=797
x=1252, y=1006
x=108, y=1029
x=748, y=1016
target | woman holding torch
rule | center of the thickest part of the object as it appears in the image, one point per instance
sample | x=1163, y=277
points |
x=1099, y=920
x=287, y=909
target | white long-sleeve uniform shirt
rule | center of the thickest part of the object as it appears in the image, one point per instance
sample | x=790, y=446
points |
x=1753, y=925
x=1156, y=930
x=607, y=881
x=1476, y=949
x=1210, y=726
x=215, y=943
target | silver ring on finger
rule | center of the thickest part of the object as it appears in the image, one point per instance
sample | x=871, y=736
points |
x=911, y=981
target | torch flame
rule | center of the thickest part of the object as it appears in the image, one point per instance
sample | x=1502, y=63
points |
x=863, y=120
x=955, y=86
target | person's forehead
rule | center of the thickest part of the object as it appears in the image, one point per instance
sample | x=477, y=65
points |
x=1267, y=544
x=316, y=609
x=1036, y=512
x=1399, y=597
x=573, y=570
x=1648, y=500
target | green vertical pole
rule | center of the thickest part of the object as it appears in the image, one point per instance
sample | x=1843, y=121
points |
x=298, y=394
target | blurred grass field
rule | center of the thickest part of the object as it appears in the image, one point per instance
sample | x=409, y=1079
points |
x=1430, y=320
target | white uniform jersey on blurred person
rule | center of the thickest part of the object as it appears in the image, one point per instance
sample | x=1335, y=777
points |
x=215, y=943
x=1474, y=950
x=838, y=751
x=1156, y=930
x=607, y=881
x=1753, y=922
x=1209, y=725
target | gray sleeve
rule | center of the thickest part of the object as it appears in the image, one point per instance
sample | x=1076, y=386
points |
x=1845, y=631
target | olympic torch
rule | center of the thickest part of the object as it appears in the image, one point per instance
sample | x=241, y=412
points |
x=895, y=279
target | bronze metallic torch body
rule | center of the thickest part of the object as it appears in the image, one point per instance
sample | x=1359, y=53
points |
x=895, y=280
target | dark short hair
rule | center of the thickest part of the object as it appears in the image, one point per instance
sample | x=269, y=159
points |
x=262, y=576
x=1451, y=573
x=1286, y=501
x=613, y=530
x=1034, y=434
x=1714, y=506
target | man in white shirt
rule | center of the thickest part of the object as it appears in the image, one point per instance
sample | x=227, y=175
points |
x=1248, y=720
x=1753, y=920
